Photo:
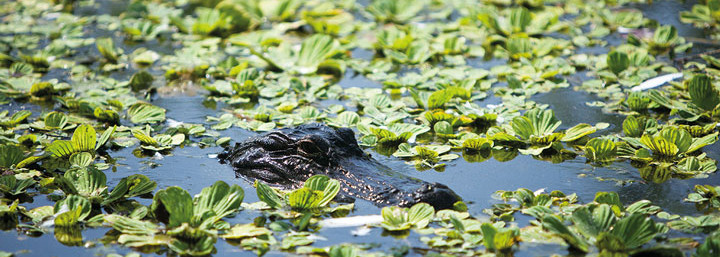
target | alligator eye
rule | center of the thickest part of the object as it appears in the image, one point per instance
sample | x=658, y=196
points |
x=312, y=146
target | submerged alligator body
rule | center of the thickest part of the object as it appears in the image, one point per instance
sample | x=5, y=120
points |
x=287, y=157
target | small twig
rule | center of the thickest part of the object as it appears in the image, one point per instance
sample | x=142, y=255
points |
x=703, y=41
x=682, y=61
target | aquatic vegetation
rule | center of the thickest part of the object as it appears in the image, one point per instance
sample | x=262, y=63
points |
x=705, y=197
x=600, y=150
x=703, y=15
x=528, y=199
x=602, y=226
x=427, y=156
x=159, y=142
x=191, y=224
x=314, y=54
x=10, y=186
x=534, y=133
x=424, y=82
x=396, y=218
x=710, y=247
x=668, y=152
x=314, y=196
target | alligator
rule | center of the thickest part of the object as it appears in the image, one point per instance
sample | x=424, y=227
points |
x=287, y=157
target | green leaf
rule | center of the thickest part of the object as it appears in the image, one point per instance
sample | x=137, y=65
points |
x=438, y=98
x=617, y=61
x=304, y=199
x=522, y=126
x=703, y=93
x=313, y=51
x=145, y=113
x=398, y=11
x=84, y=138
x=593, y=222
x=698, y=143
x=42, y=89
x=130, y=186
x=489, y=233
x=10, y=155
x=329, y=187
x=242, y=231
x=610, y=198
x=81, y=159
x=659, y=145
x=677, y=136
x=106, y=47
x=16, y=118
x=131, y=226
x=173, y=206
x=141, y=80
x=219, y=198
x=535, y=122
x=709, y=248
x=578, y=131
x=343, y=251
x=600, y=150
x=421, y=214
x=663, y=100
x=105, y=137
x=520, y=18
x=395, y=218
x=68, y=218
x=556, y=226
x=55, y=120
x=90, y=183
x=78, y=208
x=9, y=184
x=477, y=144
x=62, y=148
x=145, y=138
x=633, y=126
x=268, y=195
x=504, y=239
x=443, y=127
x=345, y=119
x=635, y=230
x=665, y=36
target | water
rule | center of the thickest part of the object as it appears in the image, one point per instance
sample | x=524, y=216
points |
x=192, y=169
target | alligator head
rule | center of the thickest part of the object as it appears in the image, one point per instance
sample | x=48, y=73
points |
x=287, y=157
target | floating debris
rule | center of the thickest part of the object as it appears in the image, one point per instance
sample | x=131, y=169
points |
x=656, y=81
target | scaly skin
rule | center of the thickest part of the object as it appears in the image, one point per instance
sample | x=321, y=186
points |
x=288, y=157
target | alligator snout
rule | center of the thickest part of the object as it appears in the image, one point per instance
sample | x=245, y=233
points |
x=437, y=195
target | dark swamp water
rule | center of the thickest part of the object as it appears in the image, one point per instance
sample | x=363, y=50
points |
x=193, y=168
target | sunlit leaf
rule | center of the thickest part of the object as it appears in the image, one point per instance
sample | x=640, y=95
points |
x=173, y=206
x=145, y=113
x=84, y=138
x=268, y=195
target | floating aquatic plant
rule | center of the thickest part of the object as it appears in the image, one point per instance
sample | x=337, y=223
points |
x=608, y=227
x=705, y=196
x=398, y=219
x=314, y=196
x=191, y=224
x=426, y=94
